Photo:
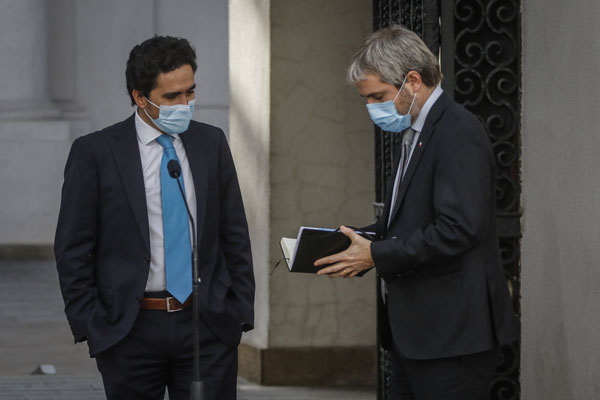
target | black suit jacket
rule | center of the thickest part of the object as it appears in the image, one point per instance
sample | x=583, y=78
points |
x=102, y=244
x=447, y=293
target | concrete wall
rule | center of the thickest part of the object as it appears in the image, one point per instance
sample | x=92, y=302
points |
x=66, y=78
x=322, y=167
x=303, y=146
x=561, y=201
x=31, y=135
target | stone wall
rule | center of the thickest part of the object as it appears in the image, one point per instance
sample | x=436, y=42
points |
x=311, y=164
x=63, y=75
x=561, y=201
x=322, y=168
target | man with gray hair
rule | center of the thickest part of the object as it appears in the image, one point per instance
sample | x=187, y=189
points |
x=436, y=246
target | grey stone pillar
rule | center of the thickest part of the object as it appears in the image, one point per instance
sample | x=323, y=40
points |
x=34, y=140
x=23, y=45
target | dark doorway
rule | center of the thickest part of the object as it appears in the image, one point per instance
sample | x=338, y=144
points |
x=479, y=45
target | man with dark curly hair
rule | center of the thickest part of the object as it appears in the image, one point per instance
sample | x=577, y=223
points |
x=123, y=241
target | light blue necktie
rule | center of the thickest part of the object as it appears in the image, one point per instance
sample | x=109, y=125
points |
x=178, y=250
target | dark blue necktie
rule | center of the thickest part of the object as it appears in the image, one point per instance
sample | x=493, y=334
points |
x=178, y=250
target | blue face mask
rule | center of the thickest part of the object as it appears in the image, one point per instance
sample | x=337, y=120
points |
x=173, y=119
x=386, y=116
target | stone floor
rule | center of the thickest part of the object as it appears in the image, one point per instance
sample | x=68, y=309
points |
x=34, y=331
x=90, y=388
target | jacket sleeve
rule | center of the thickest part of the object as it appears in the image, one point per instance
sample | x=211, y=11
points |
x=374, y=227
x=75, y=239
x=462, y=201
x=235, y=239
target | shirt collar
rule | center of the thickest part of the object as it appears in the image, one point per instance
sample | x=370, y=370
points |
x=146, y=133
x=417, y=126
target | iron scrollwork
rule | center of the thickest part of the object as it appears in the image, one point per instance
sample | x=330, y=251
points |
x=483, y=41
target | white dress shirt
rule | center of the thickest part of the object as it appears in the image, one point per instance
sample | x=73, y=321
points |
x=151, y=153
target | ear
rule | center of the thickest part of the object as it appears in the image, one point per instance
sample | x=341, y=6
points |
x=139, y=98
x=413, y=80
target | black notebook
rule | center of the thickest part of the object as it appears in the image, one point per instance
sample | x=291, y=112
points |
x=312, y=244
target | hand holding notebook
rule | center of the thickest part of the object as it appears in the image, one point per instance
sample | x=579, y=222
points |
x=313, y=244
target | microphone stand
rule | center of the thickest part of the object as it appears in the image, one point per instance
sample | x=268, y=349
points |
x=197, y=385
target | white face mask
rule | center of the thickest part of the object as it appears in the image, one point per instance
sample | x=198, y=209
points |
x=173, y=119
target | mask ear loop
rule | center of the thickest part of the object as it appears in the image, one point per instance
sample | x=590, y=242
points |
x=152, y=103
x=411, y=103
x=397, y=94
x=401, y=87
x=146, y=111
x=148, y=115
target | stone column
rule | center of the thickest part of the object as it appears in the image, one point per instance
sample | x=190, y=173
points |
x=249, y=88
x=303, y=146
x=23, y=77
x=33, y=140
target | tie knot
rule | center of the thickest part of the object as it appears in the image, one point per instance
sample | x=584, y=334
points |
x=165, y=141
x=408, y=136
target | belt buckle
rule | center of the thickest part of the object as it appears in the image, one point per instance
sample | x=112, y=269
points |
x=169, y=305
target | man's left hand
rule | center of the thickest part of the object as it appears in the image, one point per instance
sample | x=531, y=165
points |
x=350, y=262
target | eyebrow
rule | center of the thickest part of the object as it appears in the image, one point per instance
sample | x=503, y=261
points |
x=374, y=94
x=177, y=93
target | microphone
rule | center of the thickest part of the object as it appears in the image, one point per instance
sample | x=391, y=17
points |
x=197, y=385
x=174, y=170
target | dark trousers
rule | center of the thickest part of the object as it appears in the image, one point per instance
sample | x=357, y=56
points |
x=158, y=354
x=456, y=378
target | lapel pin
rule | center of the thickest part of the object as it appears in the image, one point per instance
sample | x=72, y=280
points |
x=420, y=144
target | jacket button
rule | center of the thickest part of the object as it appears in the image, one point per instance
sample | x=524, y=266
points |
x=147, y=260
x=138, y=299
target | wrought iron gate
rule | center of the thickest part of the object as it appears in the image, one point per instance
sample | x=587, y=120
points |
x=478, y=42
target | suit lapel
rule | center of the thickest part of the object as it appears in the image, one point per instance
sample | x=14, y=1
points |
x=127, y=156
x=428, y=129
x=196, y=156
x=390, y=184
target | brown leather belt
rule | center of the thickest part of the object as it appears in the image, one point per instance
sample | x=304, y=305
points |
x=170, y=304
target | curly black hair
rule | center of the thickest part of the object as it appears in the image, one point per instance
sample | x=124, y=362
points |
x=154, y=56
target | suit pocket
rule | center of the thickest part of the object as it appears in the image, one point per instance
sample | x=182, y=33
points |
x=106, y=304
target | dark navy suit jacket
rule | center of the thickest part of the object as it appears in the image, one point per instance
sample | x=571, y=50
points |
x=102, y=244
x=447, y=293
